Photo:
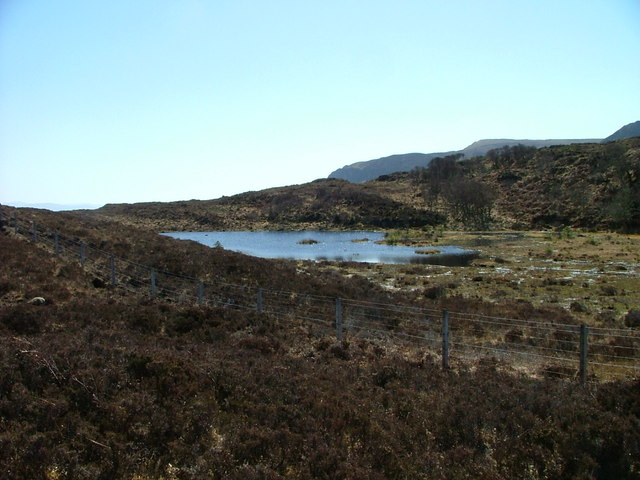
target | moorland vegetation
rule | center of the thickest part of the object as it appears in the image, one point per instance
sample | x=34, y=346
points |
x=588, y=186
x=103, y=382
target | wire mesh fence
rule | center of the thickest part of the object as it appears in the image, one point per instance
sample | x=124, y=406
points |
x=552, y=349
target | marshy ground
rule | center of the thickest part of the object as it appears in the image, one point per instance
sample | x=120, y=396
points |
x=594, y=276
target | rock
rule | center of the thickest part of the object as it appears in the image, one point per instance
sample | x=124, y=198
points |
x=578, y=307
x=566, y=282
x=308, y=241
x=632, y=319
x=37, y=301
x=435, y=292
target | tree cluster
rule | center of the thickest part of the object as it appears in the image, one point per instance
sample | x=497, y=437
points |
x=510, y=155
x=469, y=200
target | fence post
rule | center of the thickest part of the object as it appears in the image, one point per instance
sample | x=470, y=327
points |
x=339, y=318
x=154, y=287
x=200, y=293
x=56, y=243
x=259, y=301
x=445, y=339
x=112, y=265
x=584, y=333
x=34, y=231
x=82, y=254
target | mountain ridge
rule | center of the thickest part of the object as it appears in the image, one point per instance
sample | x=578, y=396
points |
x=628, y=131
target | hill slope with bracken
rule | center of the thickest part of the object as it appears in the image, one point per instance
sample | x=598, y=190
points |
x=323, y=204
x=372, y=169
x=593, y=186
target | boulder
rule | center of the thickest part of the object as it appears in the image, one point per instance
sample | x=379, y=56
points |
x=632, y=319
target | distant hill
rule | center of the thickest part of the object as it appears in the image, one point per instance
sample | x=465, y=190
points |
x=481, y=147
x=368, y=170
x=372, y=169
x=55, y=207
x=628, y=131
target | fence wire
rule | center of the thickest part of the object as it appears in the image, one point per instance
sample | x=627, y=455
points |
x=550, y=348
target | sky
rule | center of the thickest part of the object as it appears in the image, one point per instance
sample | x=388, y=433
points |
x=163, y=100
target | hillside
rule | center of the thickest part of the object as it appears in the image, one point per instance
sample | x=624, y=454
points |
x=369, y=170
x=481, y=147
x=323, y=204
x=372, y=169
x=592, y=186
x=109, y=383
x=628, y=131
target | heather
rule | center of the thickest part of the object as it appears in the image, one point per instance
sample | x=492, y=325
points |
x=103, y=382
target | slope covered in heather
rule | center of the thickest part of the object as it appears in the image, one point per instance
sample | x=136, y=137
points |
x=372, y=169
x=108, y=383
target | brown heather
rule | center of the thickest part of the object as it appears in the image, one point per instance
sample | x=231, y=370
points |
x=100, y=383
x=106, y=383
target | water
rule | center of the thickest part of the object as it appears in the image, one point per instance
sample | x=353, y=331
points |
x=332, y=246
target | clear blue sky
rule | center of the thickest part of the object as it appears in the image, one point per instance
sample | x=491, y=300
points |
x=159, y=100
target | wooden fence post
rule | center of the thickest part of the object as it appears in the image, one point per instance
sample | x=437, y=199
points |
x=259, y=300
x=445, y=339
x=200, y=293
x=339, y=318
x=584, y=333
x=56, y=243
x=154, y=286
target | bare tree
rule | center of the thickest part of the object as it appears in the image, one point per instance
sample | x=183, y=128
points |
x=471, y=202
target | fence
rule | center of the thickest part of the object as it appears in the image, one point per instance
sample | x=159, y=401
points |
x=561, y=350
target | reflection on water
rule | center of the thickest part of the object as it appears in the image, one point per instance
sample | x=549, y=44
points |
x=330, y=246
x=461, y=259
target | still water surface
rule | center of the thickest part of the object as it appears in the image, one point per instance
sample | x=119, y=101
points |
x=333, y=246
